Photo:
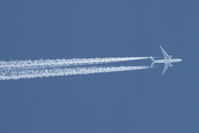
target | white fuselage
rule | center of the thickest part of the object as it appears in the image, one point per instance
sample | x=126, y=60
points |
x=167, y=60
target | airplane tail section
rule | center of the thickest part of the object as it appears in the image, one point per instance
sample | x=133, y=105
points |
x=153, y=61
x=152, y=64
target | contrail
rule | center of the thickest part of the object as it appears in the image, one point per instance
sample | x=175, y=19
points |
x=52, y=72
x=64, y=62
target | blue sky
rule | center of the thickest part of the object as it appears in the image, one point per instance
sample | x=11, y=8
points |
x=137, y=101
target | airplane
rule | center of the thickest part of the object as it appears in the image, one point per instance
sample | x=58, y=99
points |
x=167, y=61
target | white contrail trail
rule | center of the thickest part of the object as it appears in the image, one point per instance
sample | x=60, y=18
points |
x=65, y=62
x=51, y=72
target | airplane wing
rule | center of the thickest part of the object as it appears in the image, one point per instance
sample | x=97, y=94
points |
x=166, y=66
x=166, y=56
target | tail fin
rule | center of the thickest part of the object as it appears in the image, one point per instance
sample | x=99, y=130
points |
x=153, y=61
x=152, y=64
